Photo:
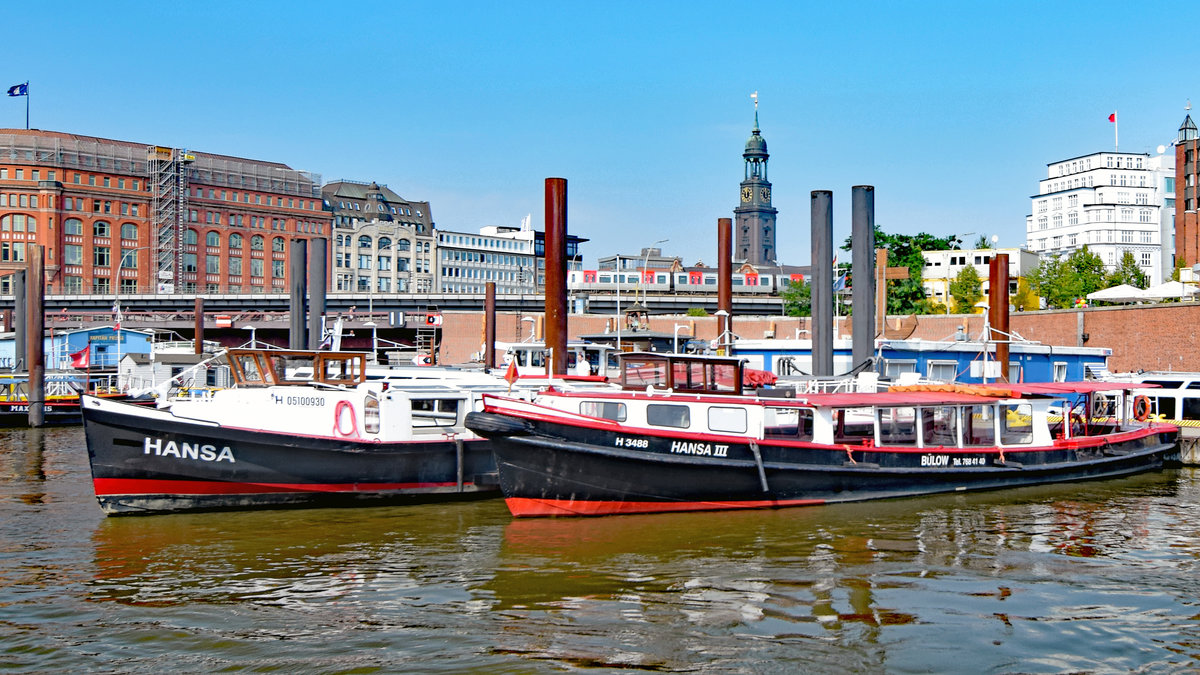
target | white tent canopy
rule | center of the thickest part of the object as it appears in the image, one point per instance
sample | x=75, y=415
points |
x=1122, y=293
x=1170, y=289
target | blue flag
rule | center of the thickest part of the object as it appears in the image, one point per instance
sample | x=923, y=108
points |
x=19, y=90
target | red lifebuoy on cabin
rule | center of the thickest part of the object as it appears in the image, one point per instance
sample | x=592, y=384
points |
x=345, y=406
x=1141, y=408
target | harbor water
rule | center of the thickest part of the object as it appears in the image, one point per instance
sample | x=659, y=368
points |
x=1091, y=577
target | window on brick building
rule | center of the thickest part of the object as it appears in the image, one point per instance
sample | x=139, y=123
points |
x=129, y=231
x=101, y=229
x=102, y=256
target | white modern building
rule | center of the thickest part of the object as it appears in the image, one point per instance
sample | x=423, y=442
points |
x=1111, y=202
x=942, y=267
x=467, y=261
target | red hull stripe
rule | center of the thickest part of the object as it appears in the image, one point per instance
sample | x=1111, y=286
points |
x=149, y=486
x=525, y=506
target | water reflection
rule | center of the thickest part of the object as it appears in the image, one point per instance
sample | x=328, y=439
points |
x=1089, y=577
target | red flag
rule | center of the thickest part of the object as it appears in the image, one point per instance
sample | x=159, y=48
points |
x=511, y=374
x=82, y=358
x=1113, y=118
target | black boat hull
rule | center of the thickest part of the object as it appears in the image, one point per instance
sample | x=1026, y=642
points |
x=153, y=462
x=548, y=468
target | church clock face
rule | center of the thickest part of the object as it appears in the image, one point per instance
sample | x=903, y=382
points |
x=765, y=193
x=747, y=193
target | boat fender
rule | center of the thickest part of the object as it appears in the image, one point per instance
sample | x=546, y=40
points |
x=500, y=425
x=338, y=410
x=1141, y=408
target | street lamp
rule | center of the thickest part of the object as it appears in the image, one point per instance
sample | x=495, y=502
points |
x=677, y=327
x=723, y=318
x=645, y=266
x=617, y=279
x=125, y=253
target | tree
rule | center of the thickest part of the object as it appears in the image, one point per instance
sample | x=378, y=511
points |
x=1089, y=271
x=1063, y=280
x=983, y=242
x=1049, y=281
x=1128, y=272
x=907, y=296
x=1179, y=264
x=797, y=299
x=966, y=290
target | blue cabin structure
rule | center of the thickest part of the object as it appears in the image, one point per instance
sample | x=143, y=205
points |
x=957, y=361
x=105, y=344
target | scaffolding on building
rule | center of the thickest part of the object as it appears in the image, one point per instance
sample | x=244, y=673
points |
x=167, y=177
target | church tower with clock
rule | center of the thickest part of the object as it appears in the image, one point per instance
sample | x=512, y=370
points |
x=754, y=217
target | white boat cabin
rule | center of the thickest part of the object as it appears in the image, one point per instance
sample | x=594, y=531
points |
x=697, y=395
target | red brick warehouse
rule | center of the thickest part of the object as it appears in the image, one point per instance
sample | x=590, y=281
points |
x=112, y=215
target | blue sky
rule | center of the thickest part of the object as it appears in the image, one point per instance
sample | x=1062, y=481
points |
x=951, y=110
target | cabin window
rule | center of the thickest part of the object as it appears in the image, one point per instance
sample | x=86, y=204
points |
x=609, y=410
x=1191, y=409
x=727, y=419
x=1060, y=371
x=979, y=425
x=723, y=377
x=645, y=373
x=897, y=426
x=343, y=369
x=434, y=412
x=940, y=425
x=687, y=375
x=943, y=371
x=788, y=423
x=1016, y=424
x=1166, y=384
x=248, y=365
x=1165, y=406
x=291, y=368
x=660, y=415
x=853, y=426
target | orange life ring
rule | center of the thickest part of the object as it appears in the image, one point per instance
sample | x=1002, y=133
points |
x=1141, y=408
x=337, y=420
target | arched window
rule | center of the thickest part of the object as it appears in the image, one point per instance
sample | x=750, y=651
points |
x=256, y=244
x=72, y=226
x=403, y=245
x=129, y=231
x=277, y=244
x=100, y=229
x=384, y=243
x=364, y=242
x=235, y=240
x=191, y=237
x=212, y=239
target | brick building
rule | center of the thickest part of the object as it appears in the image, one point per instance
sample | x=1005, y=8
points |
x=1187, y=176
x=123, y=217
